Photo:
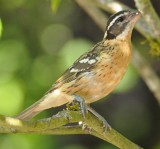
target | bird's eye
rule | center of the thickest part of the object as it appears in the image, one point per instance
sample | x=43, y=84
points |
x=120, y=19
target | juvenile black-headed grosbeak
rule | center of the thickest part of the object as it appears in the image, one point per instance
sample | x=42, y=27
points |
x=96, y=73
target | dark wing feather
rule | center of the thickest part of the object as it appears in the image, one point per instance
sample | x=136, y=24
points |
x=79, y=67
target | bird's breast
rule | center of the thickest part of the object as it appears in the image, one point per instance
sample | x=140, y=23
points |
x=105, y=77
x=98, y=82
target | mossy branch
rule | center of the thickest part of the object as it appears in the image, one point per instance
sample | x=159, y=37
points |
x=153, y=21
x=57, y=125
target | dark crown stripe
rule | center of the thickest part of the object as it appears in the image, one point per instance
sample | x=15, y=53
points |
x=115, y=16
x=111, y=22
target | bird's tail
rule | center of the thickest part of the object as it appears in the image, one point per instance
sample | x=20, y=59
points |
x=29, y=112
x=50, y=100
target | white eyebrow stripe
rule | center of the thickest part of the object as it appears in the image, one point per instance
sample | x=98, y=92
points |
x=105, y=35
x=112, y=22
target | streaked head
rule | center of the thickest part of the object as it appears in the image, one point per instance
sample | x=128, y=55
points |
x=120, y=25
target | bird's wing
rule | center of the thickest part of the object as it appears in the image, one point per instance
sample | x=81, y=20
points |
x=83, y=64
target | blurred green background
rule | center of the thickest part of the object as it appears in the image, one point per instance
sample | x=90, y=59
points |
x=39, y=40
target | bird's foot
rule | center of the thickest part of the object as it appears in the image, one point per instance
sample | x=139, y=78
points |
x=78, y=104
x=106, y=126
x=85, y=127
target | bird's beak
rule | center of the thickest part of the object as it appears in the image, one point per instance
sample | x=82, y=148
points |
x=134, y=16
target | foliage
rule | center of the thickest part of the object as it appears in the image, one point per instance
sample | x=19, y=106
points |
x=55, y=4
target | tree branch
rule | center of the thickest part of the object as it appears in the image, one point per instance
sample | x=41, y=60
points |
x=153, y=22
x=150, y=16
x=95, y=13
x=147, y=73
x=55, y=125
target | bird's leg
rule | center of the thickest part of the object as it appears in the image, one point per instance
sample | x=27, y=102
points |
x=78, y=104
x=82, y=104
x=85, y=109
x=105, y=123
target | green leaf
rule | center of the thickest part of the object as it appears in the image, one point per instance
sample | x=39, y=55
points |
x=0, y=27
x=55, y=5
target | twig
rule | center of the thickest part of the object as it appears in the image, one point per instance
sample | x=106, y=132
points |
x=150, y=16
x=110, y=135
x=55, y=125
x=147, y=73
x=94, y=13
x=153, y=22
x=11, y=125
x=60, y=119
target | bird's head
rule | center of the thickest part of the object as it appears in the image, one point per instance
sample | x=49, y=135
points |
x=120, y=25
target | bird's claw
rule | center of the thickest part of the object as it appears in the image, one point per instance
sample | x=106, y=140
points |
x=78, y=104
x=82, y=105
x=106, y=126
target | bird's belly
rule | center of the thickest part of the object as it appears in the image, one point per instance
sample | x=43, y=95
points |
x=99, y=85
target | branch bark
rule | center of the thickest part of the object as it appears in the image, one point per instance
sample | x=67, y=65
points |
x=153, y=21
x=56, y=125
x=147, y=73
x=150, y=16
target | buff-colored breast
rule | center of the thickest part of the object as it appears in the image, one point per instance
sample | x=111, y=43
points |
x=107, y=74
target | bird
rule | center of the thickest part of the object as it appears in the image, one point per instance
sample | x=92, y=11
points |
x=97, y=72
